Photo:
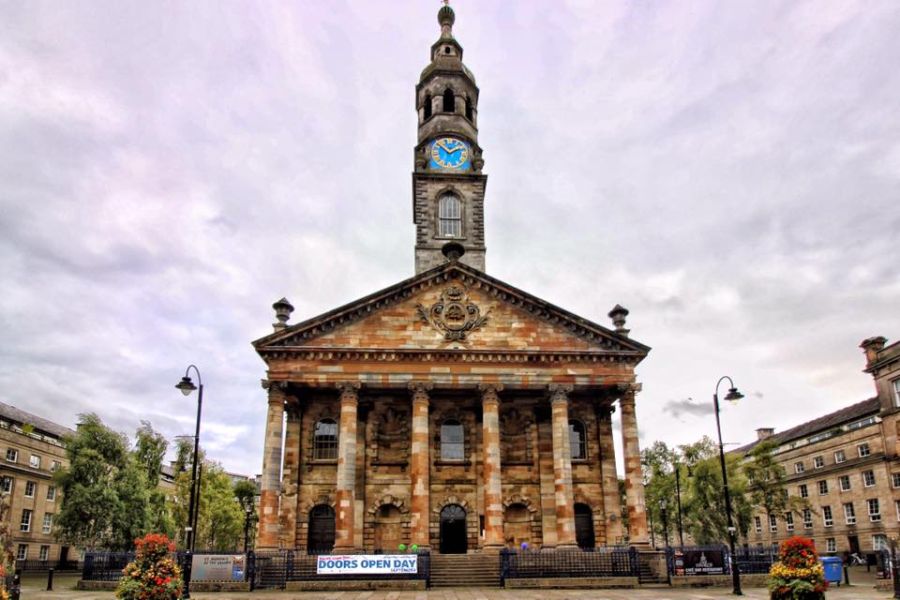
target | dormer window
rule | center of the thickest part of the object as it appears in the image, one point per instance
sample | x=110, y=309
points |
x=449, y=102
x=450, y=216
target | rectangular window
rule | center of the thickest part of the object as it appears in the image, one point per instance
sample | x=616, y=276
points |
x=47, y=525
x=35, y=461
x=773, y=523
x=45, y=553
x=30, y=487
x=849, y=514
x=863, y=450
x=12, y=455
x=827, y=517
x=55, y=466
x=897, y=508
x=804, y=491
x=880, y=542
x=6, y=485
x=874, y=509
x=844, y=481
x=818, y=462
x=789, y=521
x=823, y=487
x=25, y=523
x=450, y=216
x=757, y=522
x=895, y=480
x=798, y=467
x=830, y=545
x=868, y=478
x=22, y=552
x=51, y=493
x=896, y=383
x=807, y=518
x=839, y=456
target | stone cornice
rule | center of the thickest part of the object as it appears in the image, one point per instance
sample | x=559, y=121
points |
x=450, y=355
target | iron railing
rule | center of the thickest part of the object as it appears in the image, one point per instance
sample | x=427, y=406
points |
x=533, y=564
x=46, y=565
x=273, y=569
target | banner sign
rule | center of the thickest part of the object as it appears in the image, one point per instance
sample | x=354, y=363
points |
x=701, y=562
x=217, y=567
x=367, y=564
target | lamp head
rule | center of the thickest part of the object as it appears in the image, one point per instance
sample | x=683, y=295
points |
x=663, y=503
x=733, y=395
x=186, y=385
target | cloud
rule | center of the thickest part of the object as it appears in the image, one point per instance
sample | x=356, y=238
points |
x=687, y=406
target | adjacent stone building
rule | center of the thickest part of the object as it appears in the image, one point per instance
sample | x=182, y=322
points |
x=451, y=410
x=846, y=466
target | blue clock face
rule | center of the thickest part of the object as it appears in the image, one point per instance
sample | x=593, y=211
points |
x=450, y=154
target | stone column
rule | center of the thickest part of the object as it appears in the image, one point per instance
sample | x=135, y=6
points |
x=345, y=489
x=493, y=492
x=634, y=480
x=609, y=479
x=419, y=468
x=290, y=480
x=270, y=485
x=562, y=466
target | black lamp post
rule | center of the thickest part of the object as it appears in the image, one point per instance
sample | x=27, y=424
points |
x=677, y=466
x=732, y=396
x=187, y=386
x=248, y=511
x=664, y=513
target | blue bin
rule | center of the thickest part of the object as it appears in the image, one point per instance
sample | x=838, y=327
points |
x=834, y=568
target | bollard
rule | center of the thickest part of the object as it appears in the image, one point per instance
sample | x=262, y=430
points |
x=50, y=580
x=846, y=575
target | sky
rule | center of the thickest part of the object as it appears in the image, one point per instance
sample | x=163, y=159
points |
x=729, y=172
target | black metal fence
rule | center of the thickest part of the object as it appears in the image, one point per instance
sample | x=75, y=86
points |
x=46, y=565
x=104, y=566
x=717, y=560
x=532, y=564
x=273, y=569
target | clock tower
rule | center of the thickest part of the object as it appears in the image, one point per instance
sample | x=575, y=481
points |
x=448, y=182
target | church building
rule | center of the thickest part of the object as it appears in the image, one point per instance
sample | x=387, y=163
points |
x=451, y=410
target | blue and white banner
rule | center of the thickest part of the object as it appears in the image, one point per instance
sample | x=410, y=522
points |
x=371, y=564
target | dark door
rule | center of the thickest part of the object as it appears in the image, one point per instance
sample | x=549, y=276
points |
x=584, y=526
x=853, y=541
x=453, y=530
x=321, y=530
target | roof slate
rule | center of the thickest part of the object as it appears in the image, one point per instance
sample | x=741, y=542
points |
x=26, y=418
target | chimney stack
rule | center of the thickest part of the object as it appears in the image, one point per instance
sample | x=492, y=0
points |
x=764, y=432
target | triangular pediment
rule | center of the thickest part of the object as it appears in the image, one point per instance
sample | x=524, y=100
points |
x=452, y=307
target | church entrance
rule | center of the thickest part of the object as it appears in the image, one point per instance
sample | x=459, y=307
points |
x=584, y=526
x=321, y=530
x=453, y=530
x=388, y=529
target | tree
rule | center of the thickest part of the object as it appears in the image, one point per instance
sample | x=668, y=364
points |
x=245, y=492
x=765, y=483
x=149, y=449
x=659, y=485
x=221, y=520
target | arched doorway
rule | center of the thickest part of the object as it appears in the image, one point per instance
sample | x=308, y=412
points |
x=388, y=528
x=453, y=530
x=584, y=526
x=321, y=530
x=517, y=525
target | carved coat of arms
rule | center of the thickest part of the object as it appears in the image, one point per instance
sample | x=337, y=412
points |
x=454, y=314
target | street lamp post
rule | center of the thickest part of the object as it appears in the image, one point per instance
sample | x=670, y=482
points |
x=732, y=396
x=187, y=386
x=248, y=510
x=664, y=513
x=678, y=502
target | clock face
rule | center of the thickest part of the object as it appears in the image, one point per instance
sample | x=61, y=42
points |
x=450, y=153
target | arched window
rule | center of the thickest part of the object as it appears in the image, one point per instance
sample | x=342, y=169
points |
x=325, y=439
x=469, y=112
x=449, y=216
x=577, y=440
x=427, y=106
x=449, y=102
x=452, y=439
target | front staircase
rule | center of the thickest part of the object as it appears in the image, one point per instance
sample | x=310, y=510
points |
x=465, y=570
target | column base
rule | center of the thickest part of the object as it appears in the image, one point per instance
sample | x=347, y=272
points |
x=492, y=548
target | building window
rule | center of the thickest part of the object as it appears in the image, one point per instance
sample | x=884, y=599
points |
x=895, y=480
x=830, y=545
x=449, y=104
x=577, y=445
x=51, y=493
x=827, y=517
x=818, y=462
x=427, y=106
x=773, y=523
x=823, y=487
x=807, y=518
x=897, y=508
x=804, y=491
x=12, y=455
x=325, y=440
x=868, y=478
x=47, y=525
x=863, y=450
x=6, y=485
x=35, y=461
x=880, y=542
x=874, y=509
x=452, y=440
x=30, y=487
x=896, y=383
x=798, y=467
x=849, y=514
x=757, y=522
x=22, y=552
x=839, y=456
x=789, y=521
x=844, y=481
x=55, y=466
x=450, y=216
x=45, y=553
x=25, y=523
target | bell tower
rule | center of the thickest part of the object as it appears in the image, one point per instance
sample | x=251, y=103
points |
x=448, y=183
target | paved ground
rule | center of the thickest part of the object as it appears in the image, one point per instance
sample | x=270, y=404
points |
x=34, y=586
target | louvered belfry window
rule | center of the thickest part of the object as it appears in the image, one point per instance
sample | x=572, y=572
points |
x=450, y=216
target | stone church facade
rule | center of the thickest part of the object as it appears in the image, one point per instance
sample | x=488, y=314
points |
x=451, y=410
